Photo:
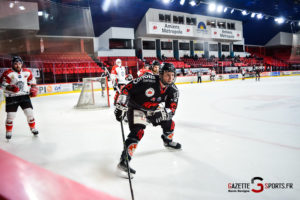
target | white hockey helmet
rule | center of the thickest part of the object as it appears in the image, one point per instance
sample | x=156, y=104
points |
x=118, y=62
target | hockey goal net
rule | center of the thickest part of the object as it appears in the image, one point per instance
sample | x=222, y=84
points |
x=94, y=93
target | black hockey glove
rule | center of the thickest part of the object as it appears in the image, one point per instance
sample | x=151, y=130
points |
x=120, y=112
x=161, y=115
x=129, y=77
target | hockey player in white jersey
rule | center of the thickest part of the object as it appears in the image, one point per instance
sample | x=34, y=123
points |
x=118, y=75
x=19, y=85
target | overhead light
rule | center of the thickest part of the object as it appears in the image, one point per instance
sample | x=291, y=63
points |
x=46, y=15
x=182, y=2
x=11, y=5
x=192, y=3
x=219, y=8
x=225, y=9
x=166, y=1
x=253, y=15
x=40, y=13
x=244, y=12
x=232, y=10
x=212, y=7
x=21, y=7
x=279, y=20
x=105, y=5
x=259, y=16
x=299, y=23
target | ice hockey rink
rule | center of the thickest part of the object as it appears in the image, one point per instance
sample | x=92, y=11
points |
x=230, y=131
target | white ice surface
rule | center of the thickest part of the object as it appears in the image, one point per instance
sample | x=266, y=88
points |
x=230, y=132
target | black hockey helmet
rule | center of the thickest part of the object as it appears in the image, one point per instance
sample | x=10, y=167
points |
x=154, y=63
x=167, y=67
x=16, y=59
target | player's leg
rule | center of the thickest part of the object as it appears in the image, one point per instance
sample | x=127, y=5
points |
x=11, y=108
x=137, y=124
x=168, y=133
x=26, y=105
x=102, y=88
x=119, y=88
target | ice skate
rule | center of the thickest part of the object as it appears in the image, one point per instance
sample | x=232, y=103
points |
x=123, y=170
x=34, y=131
x=169, y=144
x=8, y=135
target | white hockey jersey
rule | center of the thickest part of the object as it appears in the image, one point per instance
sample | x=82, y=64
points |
x=118, y=74
x=22, y=79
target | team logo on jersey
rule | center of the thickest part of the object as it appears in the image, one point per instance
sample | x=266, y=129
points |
x=20, y=76
x=149, y=92
x=20, y=85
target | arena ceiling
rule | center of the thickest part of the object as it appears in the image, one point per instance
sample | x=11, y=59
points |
x=128, y=13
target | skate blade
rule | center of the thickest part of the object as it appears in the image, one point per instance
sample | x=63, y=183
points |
x=172, y=149
x=123, y=174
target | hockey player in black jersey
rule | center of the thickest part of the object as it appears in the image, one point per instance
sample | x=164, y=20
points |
x=142, y=99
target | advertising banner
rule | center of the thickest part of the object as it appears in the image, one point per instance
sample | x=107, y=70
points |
x=275, y=73
x=232, y=76
x=52, y=88
x=286, y=73
x=201, y=31
x=226, y=34
x=170, y=29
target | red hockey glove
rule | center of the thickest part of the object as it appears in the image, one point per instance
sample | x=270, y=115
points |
x=12, y=88
x=34, y=91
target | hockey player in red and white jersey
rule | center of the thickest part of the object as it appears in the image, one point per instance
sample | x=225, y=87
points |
x=118, y=76
x=19, y=85
x=144, y=70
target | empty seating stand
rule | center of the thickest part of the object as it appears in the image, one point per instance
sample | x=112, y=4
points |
x=66, y=67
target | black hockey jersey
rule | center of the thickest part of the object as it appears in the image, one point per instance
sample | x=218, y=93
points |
x=146, y=93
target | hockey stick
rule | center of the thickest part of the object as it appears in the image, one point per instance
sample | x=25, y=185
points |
x=126, y=161
x=124, y=146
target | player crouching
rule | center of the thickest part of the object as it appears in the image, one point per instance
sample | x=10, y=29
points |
x=140, y=99
x=19, y=85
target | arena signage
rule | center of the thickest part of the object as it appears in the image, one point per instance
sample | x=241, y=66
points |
x=201, y=30
x=226, y=34
x=53, y=88
x=169, y=29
